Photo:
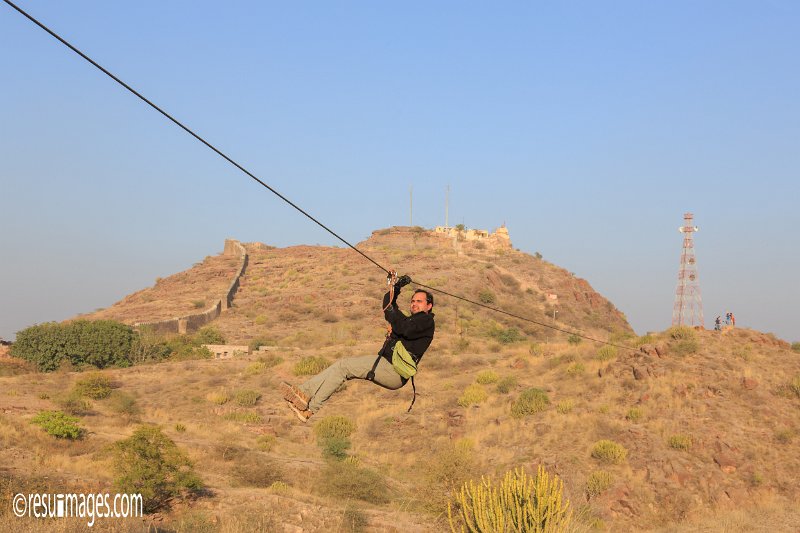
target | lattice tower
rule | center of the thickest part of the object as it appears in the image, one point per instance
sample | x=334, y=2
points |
x=688, y=308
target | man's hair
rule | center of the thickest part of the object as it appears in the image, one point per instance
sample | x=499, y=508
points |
x=428, y=296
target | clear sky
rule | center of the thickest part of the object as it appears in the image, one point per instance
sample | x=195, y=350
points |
x=588, y=127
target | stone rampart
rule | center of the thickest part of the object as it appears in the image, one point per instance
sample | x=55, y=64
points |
x=195, y=321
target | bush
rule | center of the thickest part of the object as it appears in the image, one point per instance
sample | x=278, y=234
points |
x=486, y=296
x=531, y=401
x=565, y=406
x=598, y=482
x=576, y=369
x=247, y=398
x=796, y=346
x=148, y=462
x=208, y=335
x=266, y=443
x=487, y=377
x=333, y=426
x=311, y=365
x=634, y=414
x=606, y=353
x=517, y=503
x=505, y=385
x=95, y=386
x=59, y=425
x=681, y=333
x=506, y=336
x=609, y=452
x=346, y=480
x=574, y=339
x=473, y=394
x=99, y=343
x=680, y=442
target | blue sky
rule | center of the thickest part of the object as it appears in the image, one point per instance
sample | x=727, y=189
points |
x=589, y=128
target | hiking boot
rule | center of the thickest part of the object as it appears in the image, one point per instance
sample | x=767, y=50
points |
x=295, y=396
x=302, y=414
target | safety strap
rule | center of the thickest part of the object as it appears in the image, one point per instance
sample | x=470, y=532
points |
x=414, y=398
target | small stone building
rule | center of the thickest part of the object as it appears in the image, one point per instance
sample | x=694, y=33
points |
x=226, y=351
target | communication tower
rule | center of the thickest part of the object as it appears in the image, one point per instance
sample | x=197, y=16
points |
x=688, y=308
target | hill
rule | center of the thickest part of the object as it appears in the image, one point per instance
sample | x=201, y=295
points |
x=315, y=296
x=709, y=420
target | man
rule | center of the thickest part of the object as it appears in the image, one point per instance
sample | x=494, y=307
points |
x=414, y=331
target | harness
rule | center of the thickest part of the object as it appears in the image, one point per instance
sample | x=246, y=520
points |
x=391, y=279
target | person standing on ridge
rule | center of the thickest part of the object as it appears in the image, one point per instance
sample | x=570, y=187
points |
x=408, y=338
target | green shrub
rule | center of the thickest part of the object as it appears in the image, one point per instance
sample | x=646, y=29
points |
x=279, y=487
x=354, y=520
x=681, y=333
x=576, y=369
x=531, y=401
x=607, y=352
x=266, y=443
x=609, y=451
x=634, y=414
x=345, y=480
x=95, y=386
x=148, y=462
x=473, y=394
x=332, y=427
x=574, y=339
x=486, y=296
x=796, y=346
x=517, y=503
x=208, y=335
x=487, y=377
x=598, y=482
x=565, y=406
x=680, y=442
x=505, y=384
x=98, y=343
x=247, y=398
x=59, y=425
x=311, y=365
x=335, y=447
x=506, y=336
x=180, y=428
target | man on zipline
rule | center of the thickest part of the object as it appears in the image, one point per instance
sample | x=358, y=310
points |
x=408, y=336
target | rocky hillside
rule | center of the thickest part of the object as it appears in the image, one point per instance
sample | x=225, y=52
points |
x=313, y=296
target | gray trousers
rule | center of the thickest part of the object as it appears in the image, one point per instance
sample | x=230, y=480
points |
x=320, y=387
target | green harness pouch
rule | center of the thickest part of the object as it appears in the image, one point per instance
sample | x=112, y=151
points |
x=402, y=361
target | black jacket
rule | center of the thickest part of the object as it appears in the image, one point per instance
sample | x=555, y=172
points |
x=416, y=331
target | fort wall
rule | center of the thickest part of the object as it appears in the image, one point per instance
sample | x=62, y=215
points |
x=194, y=321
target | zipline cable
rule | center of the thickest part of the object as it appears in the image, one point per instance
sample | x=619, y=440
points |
x=187, y=130
x=275, y=192
x=479, y=304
